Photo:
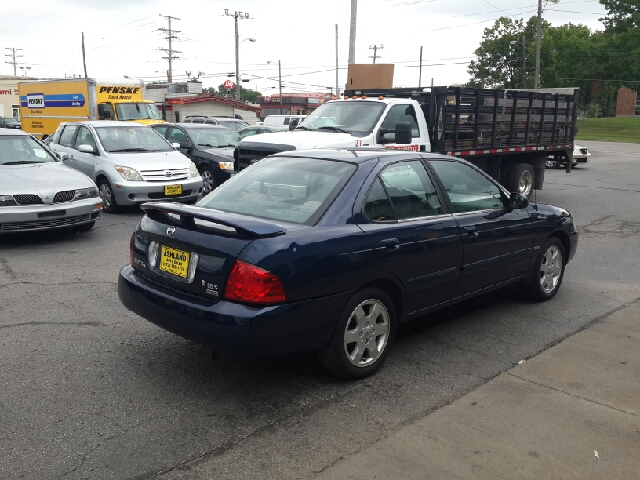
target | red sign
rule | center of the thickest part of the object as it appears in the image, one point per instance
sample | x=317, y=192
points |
x=228, y=84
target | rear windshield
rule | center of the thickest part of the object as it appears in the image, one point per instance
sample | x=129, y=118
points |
x=296, y=190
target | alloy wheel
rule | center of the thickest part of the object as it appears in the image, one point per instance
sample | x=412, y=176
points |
x=207, y=180
x=367, y=333
x=550, y=269
x=106, y=195
x=526, y=183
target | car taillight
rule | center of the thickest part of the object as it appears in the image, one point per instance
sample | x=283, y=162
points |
x=250, y=284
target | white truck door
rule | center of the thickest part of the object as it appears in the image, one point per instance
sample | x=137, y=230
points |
x=404, y=112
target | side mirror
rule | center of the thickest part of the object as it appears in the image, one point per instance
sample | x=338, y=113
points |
x=186, y=146
x=63, y=156
x=175, y=145
x=84, y=148
x=518, y=201
x=403, y=133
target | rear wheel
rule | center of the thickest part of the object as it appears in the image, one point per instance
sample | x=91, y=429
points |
x=520, y=179
x=547, y=272
x=109, y=204
x=362, y=336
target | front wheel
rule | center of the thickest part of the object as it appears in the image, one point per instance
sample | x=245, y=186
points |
x=209, y=182
x=547, y=272
x=109, y=204
x=362, y=336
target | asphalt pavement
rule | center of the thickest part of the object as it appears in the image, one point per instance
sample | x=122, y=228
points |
x=93, y=391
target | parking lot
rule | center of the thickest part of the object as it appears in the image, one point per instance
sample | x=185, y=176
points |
x=90, y=390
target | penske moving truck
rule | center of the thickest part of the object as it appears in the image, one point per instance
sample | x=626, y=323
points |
x=46, y=104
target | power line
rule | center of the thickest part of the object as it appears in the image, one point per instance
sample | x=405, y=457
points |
x=170, y=51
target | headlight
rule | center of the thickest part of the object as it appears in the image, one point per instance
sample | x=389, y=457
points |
x=90, y=192
x=129, y=174
x=226, y=165
x=193, y=170
x=7, y=201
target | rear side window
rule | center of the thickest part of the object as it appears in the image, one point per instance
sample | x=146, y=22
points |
x=296, y=190
x=66, y=137
x=407, y=192
x=468, y=190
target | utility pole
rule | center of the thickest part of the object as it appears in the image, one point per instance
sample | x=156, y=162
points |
x=280, y=85
x=84, y=60
x=13, y=58
x=237, y=16
x=375, y=49
x=352, y=32
x=536, y=80
x=337, y=88
x=420, y=79
x=524, y=61
x=170, y=51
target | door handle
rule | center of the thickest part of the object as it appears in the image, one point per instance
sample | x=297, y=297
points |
x=390, y=244
x=470, y=230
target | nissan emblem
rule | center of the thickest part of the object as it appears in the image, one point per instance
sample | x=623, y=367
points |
x=171, y=230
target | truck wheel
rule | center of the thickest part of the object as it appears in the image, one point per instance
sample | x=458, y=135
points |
x=109, y=204
x=520, y=179
x=362, y=336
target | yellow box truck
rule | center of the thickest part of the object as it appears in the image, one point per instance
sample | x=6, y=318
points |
x=46, y=104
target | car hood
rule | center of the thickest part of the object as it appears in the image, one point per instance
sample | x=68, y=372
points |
x=43, y=179
x=224, y=151
x=152, y=160
x=303, y=139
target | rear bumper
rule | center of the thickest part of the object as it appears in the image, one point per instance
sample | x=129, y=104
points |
x=132, y=193
x=227, y=326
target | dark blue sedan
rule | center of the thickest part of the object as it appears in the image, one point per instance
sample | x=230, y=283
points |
x=332, y=249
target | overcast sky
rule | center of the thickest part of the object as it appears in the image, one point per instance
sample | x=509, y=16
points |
x=122, y=37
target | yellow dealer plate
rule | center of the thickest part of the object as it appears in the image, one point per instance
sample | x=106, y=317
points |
x=173, y=190
x=175, y=262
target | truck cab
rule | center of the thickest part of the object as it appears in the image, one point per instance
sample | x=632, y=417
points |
x=357, y=121
x=141, y=111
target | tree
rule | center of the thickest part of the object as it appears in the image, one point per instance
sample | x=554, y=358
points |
x=246, y=94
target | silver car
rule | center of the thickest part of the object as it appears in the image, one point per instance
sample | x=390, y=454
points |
x=38, y=192
x=131, y=163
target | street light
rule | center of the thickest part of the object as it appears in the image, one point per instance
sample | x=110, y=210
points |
x=279, y=82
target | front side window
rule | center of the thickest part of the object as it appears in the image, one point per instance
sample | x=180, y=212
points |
x=248, y=132
x=402, y=191
x=468, y=190
x=85, y=137
x=400, y=113
x=296, y=190
x=131, y=139
x=66, y=138
x=19, y=150
x=161, y=129
x=357, y=118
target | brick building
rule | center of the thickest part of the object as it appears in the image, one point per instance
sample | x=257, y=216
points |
x=628, y=103
x=292, y=103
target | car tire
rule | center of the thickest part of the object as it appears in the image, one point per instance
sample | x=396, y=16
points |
x=209, y=182
x=109, y=204
x=368, y=318
x=85, y=227
x=547, y=272
x=521, y=179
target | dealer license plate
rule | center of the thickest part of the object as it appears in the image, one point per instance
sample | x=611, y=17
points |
x=173, y=190
x=175, y=262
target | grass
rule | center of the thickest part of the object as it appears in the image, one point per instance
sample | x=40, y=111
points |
x=612, y=129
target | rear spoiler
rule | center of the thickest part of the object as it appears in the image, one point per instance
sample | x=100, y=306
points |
x=243, y=225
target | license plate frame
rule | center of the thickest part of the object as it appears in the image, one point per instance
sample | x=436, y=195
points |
x=173, y=190
x=174, y=261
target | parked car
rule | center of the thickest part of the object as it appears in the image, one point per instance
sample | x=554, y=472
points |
x=258, y=129
x=10, y=122
x=37, y=192
x=581, y=154
x=210, y=147
x=131, y=163
x=235, y=124
x=283, y=120
x=331, y=249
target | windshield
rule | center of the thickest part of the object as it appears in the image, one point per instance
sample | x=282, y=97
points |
x=235, y=126
x=22, y=150
x=213, y=137
x=296, y=190
x=132, y=139
x=353, y=117
x=137, y=111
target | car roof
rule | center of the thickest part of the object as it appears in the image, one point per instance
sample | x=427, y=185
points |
x=106, y=123
x=358, y=155
x=197, y=125
x=12, y=132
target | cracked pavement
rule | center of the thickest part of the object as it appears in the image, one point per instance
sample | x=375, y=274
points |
x=93, y=391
